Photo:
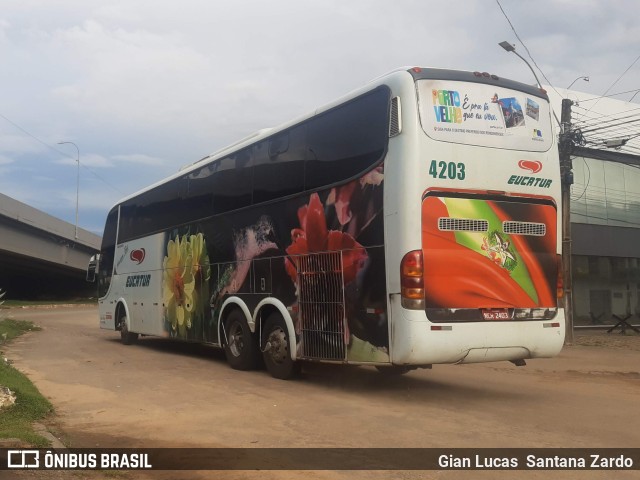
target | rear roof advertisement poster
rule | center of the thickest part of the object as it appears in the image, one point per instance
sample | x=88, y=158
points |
x=484, y=115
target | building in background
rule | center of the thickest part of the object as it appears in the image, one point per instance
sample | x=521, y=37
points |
x=605, y=208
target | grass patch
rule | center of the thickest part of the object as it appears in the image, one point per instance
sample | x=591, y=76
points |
x=10, y=329
x=16, y=421
x=31, y=303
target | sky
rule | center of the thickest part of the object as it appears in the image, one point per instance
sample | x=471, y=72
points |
x=145, y=87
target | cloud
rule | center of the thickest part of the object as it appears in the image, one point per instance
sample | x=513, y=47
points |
x=138, y=158
x=5, y=160
x=88, y=160
x=17, y=143
x=131, y=77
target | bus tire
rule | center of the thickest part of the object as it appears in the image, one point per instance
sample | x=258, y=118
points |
x=240, y=346
x=126, y=337
x=276, y=351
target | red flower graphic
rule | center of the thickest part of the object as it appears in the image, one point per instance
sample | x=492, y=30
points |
x=340, y=197
x=313, y=236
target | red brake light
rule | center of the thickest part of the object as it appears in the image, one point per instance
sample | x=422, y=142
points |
x=412, y=281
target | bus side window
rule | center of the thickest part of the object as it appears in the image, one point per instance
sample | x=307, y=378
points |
x=107, y=252
x=198, y=202
x=279, y=165
x=347, y=140
x=152, y=211
x=231, y=182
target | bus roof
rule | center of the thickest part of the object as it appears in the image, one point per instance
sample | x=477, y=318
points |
x=418, y=73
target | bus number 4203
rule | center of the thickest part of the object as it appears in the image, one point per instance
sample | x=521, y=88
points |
x=448, y=170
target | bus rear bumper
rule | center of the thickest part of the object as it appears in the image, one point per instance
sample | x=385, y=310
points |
x=417, y=341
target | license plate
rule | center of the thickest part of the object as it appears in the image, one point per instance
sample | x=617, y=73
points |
x=496, y=314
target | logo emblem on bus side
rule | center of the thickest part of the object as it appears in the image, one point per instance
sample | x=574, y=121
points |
x=137, y=255
x=534, y=166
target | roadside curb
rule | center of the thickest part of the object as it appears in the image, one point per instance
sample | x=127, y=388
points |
x=42, y=431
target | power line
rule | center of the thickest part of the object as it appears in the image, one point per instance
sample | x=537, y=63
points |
x=618, y=79
x=636, y=90
x=622, y=75
x=604, y=127
x=604, y=124
x=50, y=147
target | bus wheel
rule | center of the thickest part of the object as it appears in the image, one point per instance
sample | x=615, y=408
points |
x=240, y=346
x=276, y=350
x=393, y=370
x=126, y=337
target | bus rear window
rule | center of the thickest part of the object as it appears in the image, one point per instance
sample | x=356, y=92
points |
x=484, y=115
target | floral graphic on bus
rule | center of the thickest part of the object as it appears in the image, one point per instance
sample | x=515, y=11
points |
x=341, y=197
x=313, y=236
x=328, y=266
x=186, y=273
x=280, y=251
x=499, y=250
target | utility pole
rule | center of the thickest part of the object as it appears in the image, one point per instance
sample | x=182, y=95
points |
x=566, y=175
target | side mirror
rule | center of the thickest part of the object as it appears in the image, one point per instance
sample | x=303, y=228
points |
x=92, y=268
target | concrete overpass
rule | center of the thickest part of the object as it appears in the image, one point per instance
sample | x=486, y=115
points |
x=40, y=256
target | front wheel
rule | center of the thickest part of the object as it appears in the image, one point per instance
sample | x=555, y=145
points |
x=126, y=337
x=240, y=346
x=276, y=351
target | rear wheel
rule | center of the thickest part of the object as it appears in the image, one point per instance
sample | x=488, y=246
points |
x=277, y=348
x=126, y=337
x=240, y=346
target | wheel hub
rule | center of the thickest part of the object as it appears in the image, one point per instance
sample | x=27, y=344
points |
x=279, y=348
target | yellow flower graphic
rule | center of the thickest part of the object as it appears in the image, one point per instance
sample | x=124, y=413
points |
x=179, y=284
x=201, y=272
x=201, y=267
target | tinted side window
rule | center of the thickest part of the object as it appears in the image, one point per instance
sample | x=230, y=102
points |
x=347, y=140
x=107, y=251
x=153, y=211
x=198, y=202
x=231, y=182
x=279, y=165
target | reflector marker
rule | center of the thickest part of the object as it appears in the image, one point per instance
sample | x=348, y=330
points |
x=375, y=311
x=551, y=325
x=441, y=327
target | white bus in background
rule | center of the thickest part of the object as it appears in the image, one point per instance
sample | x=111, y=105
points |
x=412, y=222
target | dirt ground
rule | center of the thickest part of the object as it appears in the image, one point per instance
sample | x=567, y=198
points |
x=162, y=393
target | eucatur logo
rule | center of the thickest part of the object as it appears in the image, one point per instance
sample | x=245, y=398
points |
x=534, y=166
x=137, y=255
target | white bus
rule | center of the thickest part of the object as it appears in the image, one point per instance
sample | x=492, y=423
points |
x=412, y=222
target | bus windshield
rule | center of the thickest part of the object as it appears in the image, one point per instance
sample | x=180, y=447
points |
x=484, y=115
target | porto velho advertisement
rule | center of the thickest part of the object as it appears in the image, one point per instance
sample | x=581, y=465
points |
x=484, y=115
x=263, y=252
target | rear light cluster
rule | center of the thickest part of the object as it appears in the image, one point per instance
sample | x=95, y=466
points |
x=412, y=280
x=486, y=75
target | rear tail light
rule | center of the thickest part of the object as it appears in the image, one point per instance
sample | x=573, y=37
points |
x=411, y=280
x=560, y=282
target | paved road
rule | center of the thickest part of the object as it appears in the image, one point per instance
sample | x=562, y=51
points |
x=162, y=393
